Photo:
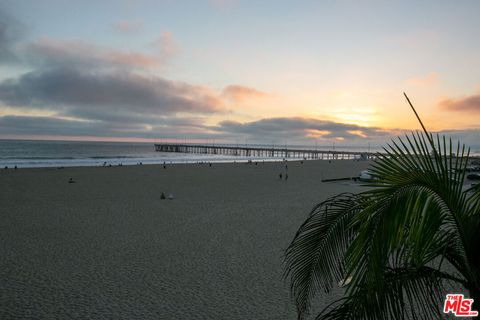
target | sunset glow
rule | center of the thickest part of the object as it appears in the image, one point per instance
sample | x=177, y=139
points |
x=229, y=70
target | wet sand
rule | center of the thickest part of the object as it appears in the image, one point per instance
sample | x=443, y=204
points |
x=107, y=246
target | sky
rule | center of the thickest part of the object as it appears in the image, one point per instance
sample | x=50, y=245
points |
x=235, y=70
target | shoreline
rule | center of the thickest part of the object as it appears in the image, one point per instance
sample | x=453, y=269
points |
x=113, y=162
x=117, y=162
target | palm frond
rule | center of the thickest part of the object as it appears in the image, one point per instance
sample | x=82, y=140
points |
x=416, y=214
x=405, y=292
x=392, y=239
x=314, y=258
x=406, y=227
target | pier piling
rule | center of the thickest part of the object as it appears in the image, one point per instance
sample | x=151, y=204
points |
x=263, y=152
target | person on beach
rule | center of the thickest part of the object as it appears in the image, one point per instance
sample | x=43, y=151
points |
x=286, y=176
x=280, y=176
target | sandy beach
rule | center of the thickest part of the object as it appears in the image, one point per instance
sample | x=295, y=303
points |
x=107, y=246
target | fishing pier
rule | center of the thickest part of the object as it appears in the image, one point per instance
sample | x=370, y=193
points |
x=263, y=152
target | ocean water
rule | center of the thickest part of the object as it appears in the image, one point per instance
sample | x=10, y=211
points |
x=27, y=153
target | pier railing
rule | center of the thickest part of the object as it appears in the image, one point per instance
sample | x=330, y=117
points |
x=262, y=152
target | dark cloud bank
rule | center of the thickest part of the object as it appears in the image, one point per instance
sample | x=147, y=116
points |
x=297, y=128
x=11, y=31
x=98, y=95
x=95, y=91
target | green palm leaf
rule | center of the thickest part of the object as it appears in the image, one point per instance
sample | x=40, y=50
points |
x=394, y=240
x=405, y=293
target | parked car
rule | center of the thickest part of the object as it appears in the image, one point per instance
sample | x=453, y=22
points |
x=365, y=175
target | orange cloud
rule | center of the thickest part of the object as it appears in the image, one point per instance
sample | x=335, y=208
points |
x=239, y=94
x=359, y=133
x=132, y=59
x=166, y=46
x=423, y=80
x=313, y=133
x=469, y=103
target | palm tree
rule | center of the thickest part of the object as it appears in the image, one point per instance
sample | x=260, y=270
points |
x=396, y=246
